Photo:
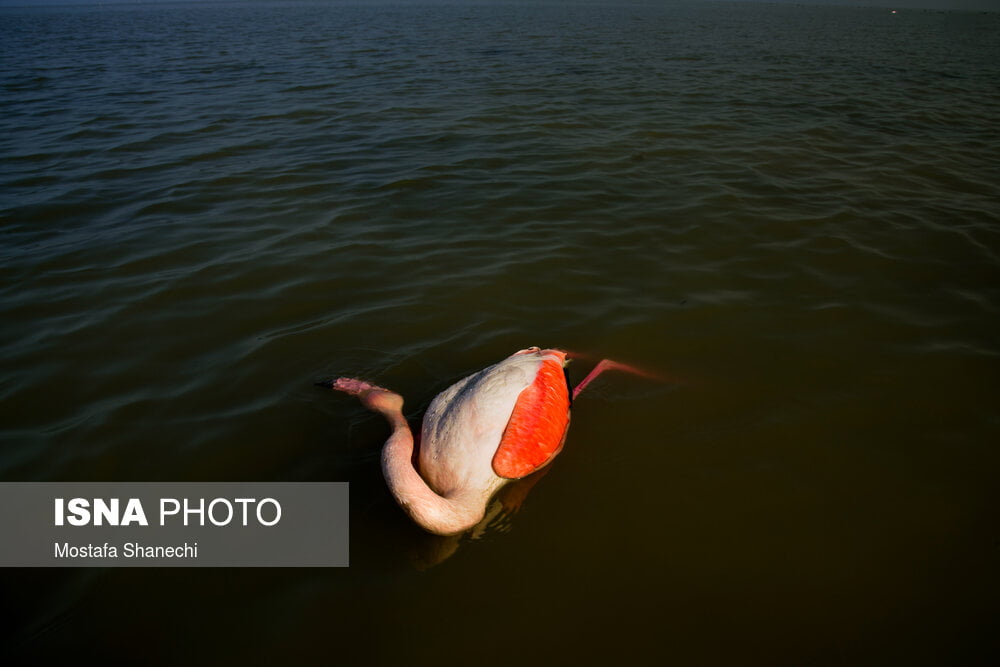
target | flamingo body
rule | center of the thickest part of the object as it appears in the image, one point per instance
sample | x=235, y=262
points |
x=502, y=423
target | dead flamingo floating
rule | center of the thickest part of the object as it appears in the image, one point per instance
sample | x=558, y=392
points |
x=492, y=427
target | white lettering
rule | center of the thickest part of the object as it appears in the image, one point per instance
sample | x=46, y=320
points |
x=200, y=511
x=229, y=517
x=66, y=550
x=220, y=511
x=79, y=511
x=134, y=513
x=163, y=509
x=244, y=502
x=136, y=550
x=105, y=512
x=277, y=512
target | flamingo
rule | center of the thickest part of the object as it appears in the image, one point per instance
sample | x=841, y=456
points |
x=486, y=430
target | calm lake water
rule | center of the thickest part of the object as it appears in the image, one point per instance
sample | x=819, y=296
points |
x=792, y=213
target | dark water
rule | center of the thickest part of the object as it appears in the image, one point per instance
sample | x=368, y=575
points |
x=792, y=212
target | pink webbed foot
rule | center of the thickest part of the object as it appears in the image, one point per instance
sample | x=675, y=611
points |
x=353, y=386
x=372, y=396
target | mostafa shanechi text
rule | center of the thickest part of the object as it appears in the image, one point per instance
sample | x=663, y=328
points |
x=126, y=550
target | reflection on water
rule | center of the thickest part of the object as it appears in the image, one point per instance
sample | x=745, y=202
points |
x=789, y=210
x=436, y=549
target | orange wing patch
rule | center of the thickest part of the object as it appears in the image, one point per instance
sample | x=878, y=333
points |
x=537, y=427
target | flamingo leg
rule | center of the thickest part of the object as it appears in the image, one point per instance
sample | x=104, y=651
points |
x=375, y=398
x=610, y=365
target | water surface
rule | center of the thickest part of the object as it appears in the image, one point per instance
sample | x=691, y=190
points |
x=790, y=212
